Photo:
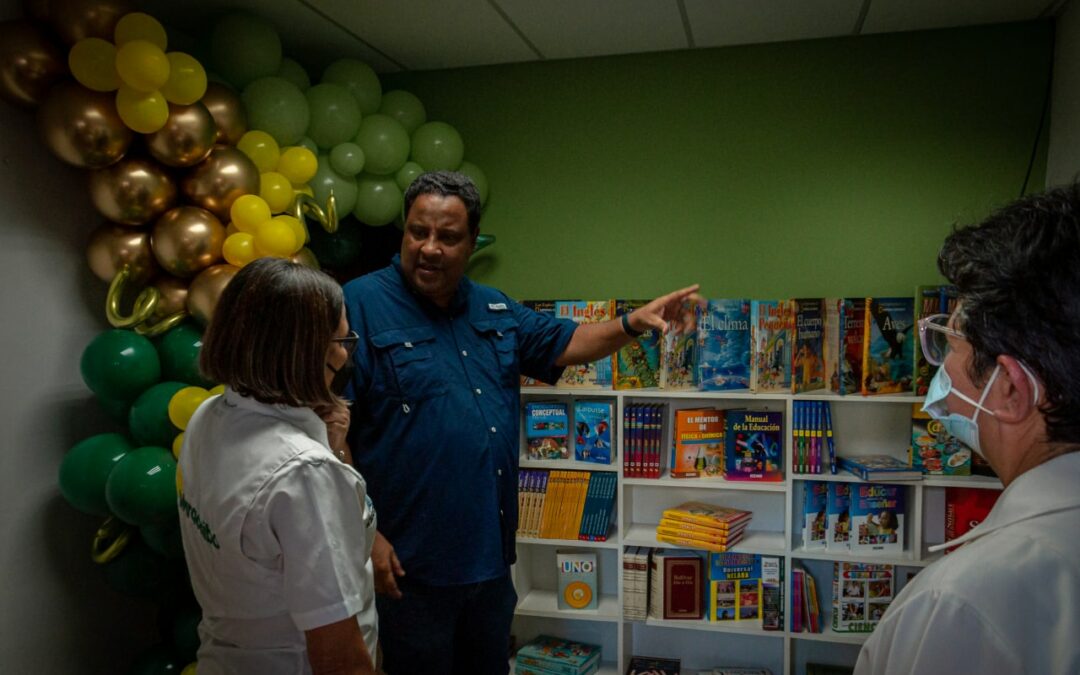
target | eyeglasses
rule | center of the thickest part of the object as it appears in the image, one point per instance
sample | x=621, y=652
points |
x=349, y=342
x=934, y=333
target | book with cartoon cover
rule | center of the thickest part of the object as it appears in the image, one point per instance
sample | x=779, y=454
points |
x=637, y=364
x=839, y=517
x=808, y=352
x=597, y=373
x=889, y=337
x=933, y=299
x=558, y=655
x=723, y=329
x=851, y=334
x=592, y=431
x=877, y=518
x=678, y=360
x=815, y=515
x=770, y=334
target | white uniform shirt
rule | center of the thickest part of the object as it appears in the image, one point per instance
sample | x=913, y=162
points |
x=1008, y=601
x=277, y=534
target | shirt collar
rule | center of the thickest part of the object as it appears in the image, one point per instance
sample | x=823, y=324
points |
x=457, y=304
x=304, y=419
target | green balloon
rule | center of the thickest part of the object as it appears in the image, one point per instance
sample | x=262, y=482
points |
x=359, y=79
x=306, y=142
x=149, y=421
x=483, y=241
x=407, y=174
x=119, y=364
x=158, y=660
x=184, y=632
x=326, y=179
x=86, y=468
x=294, y=72
x=141, y=489
x=179, y=352
x=164, y=539
x=478, y=179
x=139, y=572
x=277, y=107
x=385, y=144
x=437, y=146
x=339, y=250
x=244, y=48
x=405, y=108
x=335, y=115
x=378, y=200
x=116, y=409
x=347, y=159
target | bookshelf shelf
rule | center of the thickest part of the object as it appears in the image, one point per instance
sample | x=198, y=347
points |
x=545, y=603
x=829, y=635
x=847, y=477
x=754, y=541
x=563, y=464
x=705, y=483
x=981, y=482
x=907, y=559
x=612, y=542
x=739, y=628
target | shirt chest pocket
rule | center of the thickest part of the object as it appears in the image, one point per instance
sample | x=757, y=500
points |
x=407, y=360
x=502, y=336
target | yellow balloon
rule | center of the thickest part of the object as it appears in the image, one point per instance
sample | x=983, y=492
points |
x=189, y=669
x=275, y=238
x=142, y=65
x=140, y=111
x=184, y=403
x=303, y=190
x=219, y=390
x=261, y=148
x=298, y=164
x=239, y=249
x=140, y=26
x=276, y=190
x=179, y=482
x=93, y=63
x=231, y=229
x=298, y=230
x=176, y=443
x=248, y=211
x=187, y=79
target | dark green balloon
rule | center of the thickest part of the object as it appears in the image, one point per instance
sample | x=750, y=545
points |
x=339, y=250
x=179, y=352
x=141, y=489
x=120, y=364
x=158, y=660
x=116, y=409
x=184, y=632
x=164, y=539
x=139, y=572
x=148, y=420
x=86, y=468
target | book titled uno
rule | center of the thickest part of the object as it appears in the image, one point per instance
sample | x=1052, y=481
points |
x=637, y=364
x=541, y=307
x=652, y=665
x=597, y=373
x=577, y=580
x=556, y=655
x=723, y=328
x=697, y=447
x=808, y=352
x=815, y=515
x=877, y=518
x=771, y=322
x=592, y=431
x=839, y=517
x=734, y=587
x=861, y=594
x=753, y=442
x=546, y=430
x=888, y=346
x=678, y=360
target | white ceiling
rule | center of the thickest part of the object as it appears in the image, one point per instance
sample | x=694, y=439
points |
x=395, y=35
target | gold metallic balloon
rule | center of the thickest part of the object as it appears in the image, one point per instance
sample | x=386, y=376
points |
x=205, y=290
x=29, y=62
x=222, y=177
x=228, y=112
x=306, y=258
x=172, y=295
x=187, y=240
x=187, y=137
x=133, y=191
x=74, y=20
x=81, y=126
x=112, y=246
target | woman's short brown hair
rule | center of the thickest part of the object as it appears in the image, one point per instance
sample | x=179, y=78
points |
x=270, y=332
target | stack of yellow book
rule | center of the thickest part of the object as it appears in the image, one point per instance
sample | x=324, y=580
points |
x=704, y=526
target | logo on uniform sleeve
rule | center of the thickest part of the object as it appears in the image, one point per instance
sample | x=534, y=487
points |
x=497, y=306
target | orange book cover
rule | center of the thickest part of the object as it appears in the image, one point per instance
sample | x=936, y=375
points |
x=697, y=445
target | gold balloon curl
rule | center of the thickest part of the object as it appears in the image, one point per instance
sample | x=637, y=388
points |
x=109, y=540
x=142, y=310
x=305, y=205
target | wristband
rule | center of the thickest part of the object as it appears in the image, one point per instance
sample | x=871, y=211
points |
x=627, y=329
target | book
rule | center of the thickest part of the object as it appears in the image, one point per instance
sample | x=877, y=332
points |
x=636, y=365
x=933, y=450
x=677, y=530
x=811, y=604
x=676, y=582
x=888, y=346
x=933, y=299
x=833, y=340
x=753, y=445
x=861, y=594
x=877, y=518
x=965, y=508
x=839, y=516
x=546, y=430
x=697, y=444
x=734, y=587
x=577, y=580
x=678, y=360
x=808, y=352
x=815, y=515
x=723, y=330
x=597, y=373
x=772, y=592
x=879, y=467
x=701, y=530
x=851, y=335
x=557, y=655
x=592, y=431
x=770, y=335
x=541, y=307
x=713, y=515
x=651, y=665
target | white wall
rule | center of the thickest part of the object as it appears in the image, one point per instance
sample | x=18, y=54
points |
x=1063, y=159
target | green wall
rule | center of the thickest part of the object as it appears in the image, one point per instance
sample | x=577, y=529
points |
x=826, y=167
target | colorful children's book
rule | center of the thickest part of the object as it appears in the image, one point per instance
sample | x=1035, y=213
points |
x=723, y=329
x=861, y=594
x=558, y=655
x=833, y=340
x=771, y=324
x=593, y=433
x=597, y=373
x=577, y=580
x=734, y=587
x=965, y=508
x=546, y=430
x=936, y=299
x=815, y=515
x=877, y=518
x=851, y=335
x=933, y=450
x=889, y=337
x=879, y=467
x=678, y=360
x=753, y=445
x=839, y=516
x=697, y=444
x=637, y=364
x=808, y=352
x=542, y=307
x=651, y=665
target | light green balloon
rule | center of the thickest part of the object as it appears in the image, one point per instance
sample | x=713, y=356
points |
x=294, y=72
x=359, y=79
x=277, y=107
x=385, y=144
x=378, y=200
x=244, y=48
x=407, y=174
x=326, y=179
x=335, y=115
x=347, y=159
x=437, y=146
x=478, y=179
x=405, y=108
x=306, y=142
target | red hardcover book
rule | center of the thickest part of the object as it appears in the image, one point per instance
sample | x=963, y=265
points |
x=965, y=508
x=683, y=591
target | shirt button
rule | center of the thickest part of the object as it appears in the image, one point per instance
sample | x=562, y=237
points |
x=464, y=352
x=498, y=471
x=493, y=429
x=478, y=392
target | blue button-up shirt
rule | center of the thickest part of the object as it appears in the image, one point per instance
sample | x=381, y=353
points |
x=435, y=426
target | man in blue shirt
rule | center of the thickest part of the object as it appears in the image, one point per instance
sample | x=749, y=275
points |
x=435, y=429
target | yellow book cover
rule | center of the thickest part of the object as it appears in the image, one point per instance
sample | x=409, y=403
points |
x=713, y=515
x=694, y=543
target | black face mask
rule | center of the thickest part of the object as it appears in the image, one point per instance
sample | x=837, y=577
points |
x=342, y=377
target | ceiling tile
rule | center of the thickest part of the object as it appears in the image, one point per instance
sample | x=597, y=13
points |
x=732, y=22
x=888, y=16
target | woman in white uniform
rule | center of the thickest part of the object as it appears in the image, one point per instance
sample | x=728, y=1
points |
x=276, y=523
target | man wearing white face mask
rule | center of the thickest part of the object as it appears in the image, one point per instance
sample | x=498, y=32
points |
x=1008, y=600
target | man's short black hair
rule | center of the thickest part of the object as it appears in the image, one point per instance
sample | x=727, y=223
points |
x=447, y=184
